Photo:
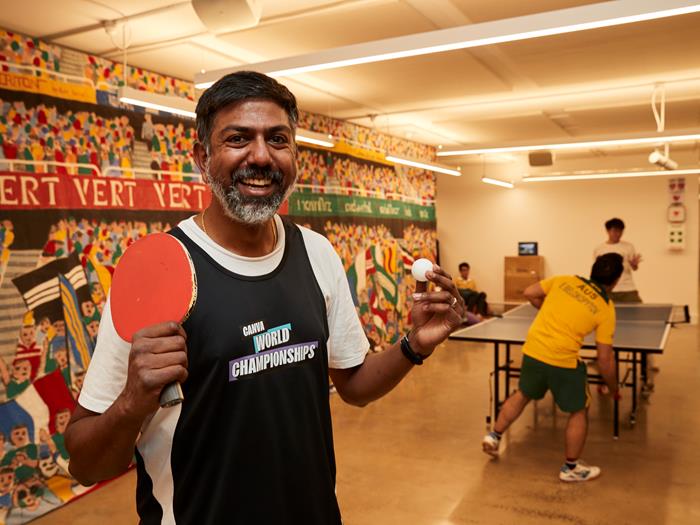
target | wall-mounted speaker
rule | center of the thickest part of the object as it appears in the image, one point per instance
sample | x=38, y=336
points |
x=228, y=15
x=541, y=158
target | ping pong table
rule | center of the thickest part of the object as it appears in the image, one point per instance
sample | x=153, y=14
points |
x=640, y=330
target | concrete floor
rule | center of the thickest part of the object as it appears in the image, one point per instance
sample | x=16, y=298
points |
x=415, y=456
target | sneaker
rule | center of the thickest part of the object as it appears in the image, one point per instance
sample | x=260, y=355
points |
x=582, y=472
x=490, y=445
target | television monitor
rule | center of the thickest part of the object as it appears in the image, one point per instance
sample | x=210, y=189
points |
x=527, y=248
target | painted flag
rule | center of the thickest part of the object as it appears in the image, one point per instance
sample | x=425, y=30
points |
x=37, y=406
x=352, y=281
x=357, y=277
x=74, y=272
x=56, y=395
x=369, y=261
x=361, y=269
x=40, y=292
x=389, y=255
x=406, y=258
x=60, y=485
x=383, y=278
x=40, y=289
x=388, y=286
x=104, y=276
x=379, y=316
x=74, y=290
x=79, y=341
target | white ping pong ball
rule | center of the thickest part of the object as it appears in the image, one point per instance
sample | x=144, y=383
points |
x=420, y=267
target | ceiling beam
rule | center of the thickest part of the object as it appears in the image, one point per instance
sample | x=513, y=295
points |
x=265, y=21
x=103, y=23
x=152, y=46
x=444, y=14
x=615, y=93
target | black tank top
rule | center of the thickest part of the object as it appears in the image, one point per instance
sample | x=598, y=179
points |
x=254, y=443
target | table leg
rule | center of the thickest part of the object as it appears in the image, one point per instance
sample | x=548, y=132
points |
x=616, y=402
x=496, y=382
x=633, y=414
x=507, y=371
x=647, y=382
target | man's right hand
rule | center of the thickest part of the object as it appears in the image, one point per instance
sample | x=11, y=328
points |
x=605, y=390
x=158, y=357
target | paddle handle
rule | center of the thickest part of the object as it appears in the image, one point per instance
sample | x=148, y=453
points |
x=171, y=395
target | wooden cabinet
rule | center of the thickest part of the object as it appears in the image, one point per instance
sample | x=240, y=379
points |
x=521, y=272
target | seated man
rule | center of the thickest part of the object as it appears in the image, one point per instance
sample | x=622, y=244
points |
x=570, y=307
x=475, y=300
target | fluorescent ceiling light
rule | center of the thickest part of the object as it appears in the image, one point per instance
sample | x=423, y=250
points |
x=613, y=175
x=312, y=137
x=175, y=105
x=582, y=18
x=498, y=182
x=424, y=165
x=659, y=139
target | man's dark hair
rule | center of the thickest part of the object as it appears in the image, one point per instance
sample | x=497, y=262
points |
x=238, y=86
x=614, y=223
x=607, y=269
x=464, y=265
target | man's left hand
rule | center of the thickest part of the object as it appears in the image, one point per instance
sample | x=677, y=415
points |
x=435, y=314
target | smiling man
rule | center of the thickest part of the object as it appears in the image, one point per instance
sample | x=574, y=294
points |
x=252, y=442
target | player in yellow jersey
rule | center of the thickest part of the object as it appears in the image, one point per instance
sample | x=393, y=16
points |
x=570, y=307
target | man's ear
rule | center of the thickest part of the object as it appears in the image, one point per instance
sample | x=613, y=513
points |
x=201, y=159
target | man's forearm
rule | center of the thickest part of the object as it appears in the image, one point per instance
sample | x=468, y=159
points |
x=606, y=366
x=378, y=374
x=101, y=446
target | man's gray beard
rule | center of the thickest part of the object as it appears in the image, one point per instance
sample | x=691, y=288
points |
x=249, y=210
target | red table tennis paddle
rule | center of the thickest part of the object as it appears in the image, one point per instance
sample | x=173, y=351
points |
x=153, y=282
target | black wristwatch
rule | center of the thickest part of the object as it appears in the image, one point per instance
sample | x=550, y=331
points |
x=410, y=354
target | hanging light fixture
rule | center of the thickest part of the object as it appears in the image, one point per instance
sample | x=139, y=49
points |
x=175, y=105
x=429, y=166
x=317, y=139
x=611, y=175
x=498, y=182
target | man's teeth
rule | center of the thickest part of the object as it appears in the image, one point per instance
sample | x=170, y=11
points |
x=257, y=182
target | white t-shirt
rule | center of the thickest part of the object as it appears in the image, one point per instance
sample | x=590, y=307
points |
x=347, y=344
x=626, y=249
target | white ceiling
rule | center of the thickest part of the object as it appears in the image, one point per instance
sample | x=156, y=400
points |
x=595, y=83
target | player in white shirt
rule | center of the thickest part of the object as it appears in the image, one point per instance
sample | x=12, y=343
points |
x=626, y=290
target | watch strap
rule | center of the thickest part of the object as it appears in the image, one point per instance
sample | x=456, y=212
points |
x=409, y=353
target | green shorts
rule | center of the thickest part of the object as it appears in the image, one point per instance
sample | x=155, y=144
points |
x=569, y=386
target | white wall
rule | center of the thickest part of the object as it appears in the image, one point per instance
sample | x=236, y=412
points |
x=481, y=224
